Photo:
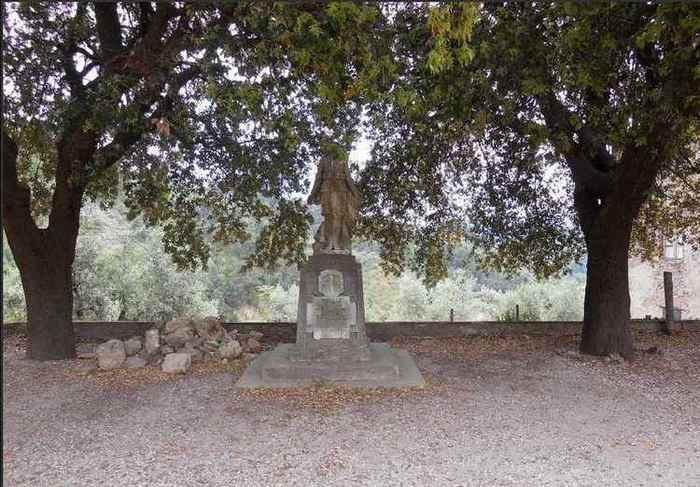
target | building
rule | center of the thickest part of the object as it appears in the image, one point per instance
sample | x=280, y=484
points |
x=647, y=283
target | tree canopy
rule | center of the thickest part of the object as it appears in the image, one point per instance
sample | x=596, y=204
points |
x=495, y=117
x=538, y=132
x=217, y=106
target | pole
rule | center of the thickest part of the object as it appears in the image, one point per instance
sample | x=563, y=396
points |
x=517, y=312
x=668, y=294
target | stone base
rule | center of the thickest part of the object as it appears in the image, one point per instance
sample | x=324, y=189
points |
x=386, y=368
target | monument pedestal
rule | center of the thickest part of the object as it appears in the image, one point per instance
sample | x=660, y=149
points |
x=332, y=345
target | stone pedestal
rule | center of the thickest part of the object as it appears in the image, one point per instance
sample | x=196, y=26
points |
x=332, y=345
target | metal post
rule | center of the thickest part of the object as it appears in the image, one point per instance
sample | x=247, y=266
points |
x=517, y=312
x=668, y=293
x=452, y=315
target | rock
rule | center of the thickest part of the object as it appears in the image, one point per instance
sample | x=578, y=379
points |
x=174, y=325
x=166, y=349
x=248, y=356
x=132, y=346
x=179, y=336
x=231, y=336
x=256, y=335
x=209, y=346
x=230, y=350
x=152, y=341
x=210, y=329
x=153, y=359
x=252, y=345
x=87, y=355
x=111, y=354
x=195, y=354
x=208, y=356
x=135, y=362
x=176, y=363
x=616, y=358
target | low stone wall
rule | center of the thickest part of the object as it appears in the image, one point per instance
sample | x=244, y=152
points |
x=377, y=331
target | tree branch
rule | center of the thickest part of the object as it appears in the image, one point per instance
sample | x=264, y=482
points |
x=126, y=138
x=68, y=50
x=108, y=29
x=583, y=167
x=17, y=217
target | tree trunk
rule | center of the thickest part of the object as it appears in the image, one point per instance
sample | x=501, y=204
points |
x=48, y=294
x=44, y=257
x=607, y=219
x=606, y=316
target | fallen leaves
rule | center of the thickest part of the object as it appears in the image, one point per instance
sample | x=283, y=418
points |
x=124, y=379
x=331, y=398
x=471, y=347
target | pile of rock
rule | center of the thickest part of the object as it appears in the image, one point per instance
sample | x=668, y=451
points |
x=176, y=344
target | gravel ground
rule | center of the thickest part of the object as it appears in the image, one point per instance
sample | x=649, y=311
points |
x=496, y=412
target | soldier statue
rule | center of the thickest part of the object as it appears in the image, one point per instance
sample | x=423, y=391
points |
x=339, y=198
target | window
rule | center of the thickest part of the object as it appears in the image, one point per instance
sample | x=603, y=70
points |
x=673, y=250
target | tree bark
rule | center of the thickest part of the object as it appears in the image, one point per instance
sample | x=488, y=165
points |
x=44, y=257
x=606, y=315
x=47, y=282
x=607, y=219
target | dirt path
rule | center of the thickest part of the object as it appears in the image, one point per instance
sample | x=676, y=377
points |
x=497, y=412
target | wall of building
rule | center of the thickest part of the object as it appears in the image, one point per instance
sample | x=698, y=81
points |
x=647, y=285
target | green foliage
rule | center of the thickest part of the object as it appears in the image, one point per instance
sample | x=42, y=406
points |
x=121, y=273
x=484, y=149
x=13, y=307
x=277, y=303
x=553, y=300
x=208, y=116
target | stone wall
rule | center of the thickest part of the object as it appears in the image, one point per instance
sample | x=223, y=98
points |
x=383, y=331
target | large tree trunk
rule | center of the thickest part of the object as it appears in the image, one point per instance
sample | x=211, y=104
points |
x=47, y=282
x=606, y=316
x=44, y=257
x=607, y=218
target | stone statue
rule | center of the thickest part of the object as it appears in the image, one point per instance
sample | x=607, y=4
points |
x=339, y=198
x=332, y=344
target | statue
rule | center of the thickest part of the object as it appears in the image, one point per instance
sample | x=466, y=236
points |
x=339, y=198
x=332, y=344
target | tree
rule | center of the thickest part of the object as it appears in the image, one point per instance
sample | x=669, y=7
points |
x=547, y=127
x=204, y=108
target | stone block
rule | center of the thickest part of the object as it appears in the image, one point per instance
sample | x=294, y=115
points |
x=252, y=345
x=387, y=368
x=174, y=325
x=132, y=346
x=178, y=337
x=111, y=354
x=152, y=341
x=176, y=363
x=230, y=350
x=210, y=329
x=135, y=362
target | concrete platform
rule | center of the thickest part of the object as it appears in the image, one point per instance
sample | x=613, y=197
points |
x=387, y=368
